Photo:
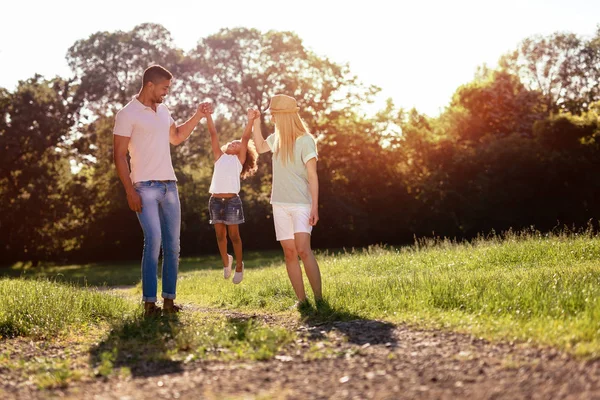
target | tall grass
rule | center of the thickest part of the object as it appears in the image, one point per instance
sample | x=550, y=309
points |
x=517, y=287
x=526, y=287
x=112, y=335
x=119, y=273
x=42, y=309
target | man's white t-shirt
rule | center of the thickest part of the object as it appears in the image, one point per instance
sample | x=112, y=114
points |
x=149, y=145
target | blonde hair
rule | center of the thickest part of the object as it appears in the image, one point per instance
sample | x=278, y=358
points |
x=288, y=126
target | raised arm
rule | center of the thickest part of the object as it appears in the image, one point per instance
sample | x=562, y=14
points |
x=212, y=130
x=120, y=144
x=253, y=115
x=259, y=140
x=179, y=134
x=313, y=187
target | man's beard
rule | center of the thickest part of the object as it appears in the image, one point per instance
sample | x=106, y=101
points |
x=158, y=98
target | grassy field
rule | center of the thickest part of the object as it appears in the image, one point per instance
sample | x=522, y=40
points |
x=121, y=273
x=527, y=288
x=532, y=288
x=79, y=333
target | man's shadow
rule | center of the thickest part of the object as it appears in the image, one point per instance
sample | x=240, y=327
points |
x=140, y=344
x=325, y=318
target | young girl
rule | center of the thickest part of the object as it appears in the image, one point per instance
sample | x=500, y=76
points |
x=236, y=158
x=295, y=190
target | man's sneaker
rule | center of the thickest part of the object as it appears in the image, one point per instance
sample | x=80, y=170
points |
x=238, y=276
x=227, y=269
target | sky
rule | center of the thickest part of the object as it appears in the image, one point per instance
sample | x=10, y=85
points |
x=417, y=52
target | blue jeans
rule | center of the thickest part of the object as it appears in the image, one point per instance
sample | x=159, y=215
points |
x=161, y=222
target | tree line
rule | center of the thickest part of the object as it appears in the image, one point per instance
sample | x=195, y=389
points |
x=517, y=146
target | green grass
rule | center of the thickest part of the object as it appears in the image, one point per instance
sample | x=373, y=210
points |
x=544, y=289
x=121, y=273
x=528, y=288
x=43, y=309
x=107, y=332
x=80, y=333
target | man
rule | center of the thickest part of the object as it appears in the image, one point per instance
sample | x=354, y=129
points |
x=144, y=127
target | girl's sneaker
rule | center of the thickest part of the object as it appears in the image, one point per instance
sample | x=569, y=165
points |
x=227, y=269
x=238, y=276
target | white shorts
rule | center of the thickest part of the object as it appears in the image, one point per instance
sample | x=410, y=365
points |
x=290, y=219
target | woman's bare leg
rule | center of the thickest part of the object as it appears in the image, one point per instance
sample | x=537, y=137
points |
x=292, y=265
x=311, y=267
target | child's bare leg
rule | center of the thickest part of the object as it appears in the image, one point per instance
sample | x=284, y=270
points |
x=236, y=241
x=311, y=267
x=293, y=267
x=221, y=231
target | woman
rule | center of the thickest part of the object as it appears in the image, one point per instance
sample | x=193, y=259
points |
x=295, y=190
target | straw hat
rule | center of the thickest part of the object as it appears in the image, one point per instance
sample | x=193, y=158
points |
x=280, y=103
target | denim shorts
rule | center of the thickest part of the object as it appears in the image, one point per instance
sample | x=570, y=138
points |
x=226, y=211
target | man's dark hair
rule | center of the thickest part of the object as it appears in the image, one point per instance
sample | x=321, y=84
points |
x=155, y=74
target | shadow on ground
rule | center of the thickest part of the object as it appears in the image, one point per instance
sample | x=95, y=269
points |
x=140, y=345
x=324, y=318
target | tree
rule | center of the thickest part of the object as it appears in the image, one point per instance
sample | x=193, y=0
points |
x=562, y=66
x=586, y=76
x=495, y=103
x=240, y=68
x=37, y=213
x=109, y=65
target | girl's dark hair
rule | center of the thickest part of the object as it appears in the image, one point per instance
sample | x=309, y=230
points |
x=250, y=165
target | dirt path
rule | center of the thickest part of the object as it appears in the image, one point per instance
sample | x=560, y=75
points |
x=361, y=360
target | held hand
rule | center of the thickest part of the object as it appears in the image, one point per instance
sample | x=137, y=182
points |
x=204, y=109
x=314, y=216
x=253, y=114
x=135, y=201
x=201, y=110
